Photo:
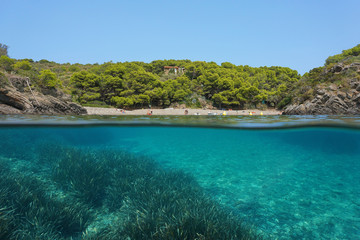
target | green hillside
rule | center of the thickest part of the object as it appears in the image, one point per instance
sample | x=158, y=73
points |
x=340, y=69
x=194, y=84
x=137, y=84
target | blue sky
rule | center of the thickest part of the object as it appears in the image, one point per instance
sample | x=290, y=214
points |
x=299, y=34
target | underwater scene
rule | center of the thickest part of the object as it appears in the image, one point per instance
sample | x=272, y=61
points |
x=206, y=177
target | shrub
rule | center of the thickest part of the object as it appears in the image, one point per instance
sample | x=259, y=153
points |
x=44, y=61
x=74, y=68
x=285, y=101
x=3, y=80
x=3, y=49
x=48, y=79
x=22, y=65
x=6, y=63
x=355, y=51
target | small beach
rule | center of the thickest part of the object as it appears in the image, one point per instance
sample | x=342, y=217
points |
x=172, y=111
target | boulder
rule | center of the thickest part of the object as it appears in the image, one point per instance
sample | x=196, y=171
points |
x=14, y=98
x=337, y=68
x=341, y=95
x=6, y=109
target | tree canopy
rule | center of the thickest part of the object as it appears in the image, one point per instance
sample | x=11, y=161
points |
x=139, y=84
x=198, y=84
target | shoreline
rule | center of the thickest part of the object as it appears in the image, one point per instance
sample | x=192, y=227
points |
x=172, y=111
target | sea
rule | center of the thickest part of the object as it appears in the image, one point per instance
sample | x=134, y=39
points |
x=179, y=177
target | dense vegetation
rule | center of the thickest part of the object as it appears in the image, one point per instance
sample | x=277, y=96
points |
x=138, y=84
x=201, y=84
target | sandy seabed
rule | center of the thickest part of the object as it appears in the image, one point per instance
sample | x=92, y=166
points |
x=172, y=111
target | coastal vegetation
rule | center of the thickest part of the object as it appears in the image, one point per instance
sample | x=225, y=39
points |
x=161, y=83
x=185, y=83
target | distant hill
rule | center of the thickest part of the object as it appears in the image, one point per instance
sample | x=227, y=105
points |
x=331, y=89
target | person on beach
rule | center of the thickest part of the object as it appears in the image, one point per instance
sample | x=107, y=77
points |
x=186, y=112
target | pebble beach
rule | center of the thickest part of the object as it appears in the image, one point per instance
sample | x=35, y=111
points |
x=172, y=111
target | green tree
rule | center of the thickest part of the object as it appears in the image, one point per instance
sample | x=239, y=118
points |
x=227, y=65
x=6, y=63
x=110, y=86
x=219, y=99
x=3, y=50
x=86, y=86
x=48, y=79
x=158, y=97
x=122, y=102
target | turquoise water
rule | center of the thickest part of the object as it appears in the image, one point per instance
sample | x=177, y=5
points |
x=297, y=182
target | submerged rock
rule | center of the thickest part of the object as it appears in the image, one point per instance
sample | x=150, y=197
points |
x=17, y=98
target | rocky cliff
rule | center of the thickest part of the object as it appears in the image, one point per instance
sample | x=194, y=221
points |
x=339, y=95
x=16, y=97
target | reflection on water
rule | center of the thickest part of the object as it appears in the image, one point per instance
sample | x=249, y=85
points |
x=251, y=122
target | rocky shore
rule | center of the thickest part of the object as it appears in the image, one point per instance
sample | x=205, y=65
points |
x=17, y=97
x=333, y=99
x=329, y=101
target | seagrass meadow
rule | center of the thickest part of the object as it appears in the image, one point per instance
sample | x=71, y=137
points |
x=57, y=192
x=203, y=177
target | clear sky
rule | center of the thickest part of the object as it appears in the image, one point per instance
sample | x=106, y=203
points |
x=299, y=34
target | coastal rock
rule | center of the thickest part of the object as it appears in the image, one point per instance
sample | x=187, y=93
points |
x=320, y=91
x=6, y=109
x=14, y=98
x=51, y=105
x=19, y=83
x=332, y=99
x=357, y=98
x=18, y=99
x=341, y=95
x=337, y=68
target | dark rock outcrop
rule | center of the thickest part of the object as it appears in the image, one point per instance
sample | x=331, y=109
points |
x=333, y=99
x=17, y=98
